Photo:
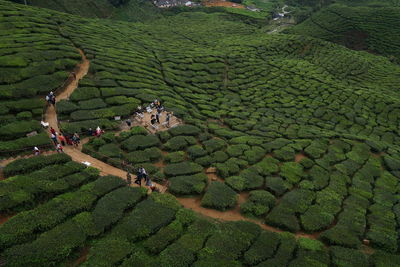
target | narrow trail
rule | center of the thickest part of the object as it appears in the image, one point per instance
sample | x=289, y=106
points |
x=106, y=169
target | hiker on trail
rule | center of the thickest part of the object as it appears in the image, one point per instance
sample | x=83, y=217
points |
x=98, y=131
x=158, y=118
x=76, y=139
x=159, y=110
x=153, y=120
x=143, y=173
x=128, y=178
x=138, y=178
x=129, y=122
x=68, y=139
x=168, y=119
x=53, y=100
x=52, y=131
x=59, y=148
x=36, y=151
x=90, y=132
x=61, y=138
x=54, y=138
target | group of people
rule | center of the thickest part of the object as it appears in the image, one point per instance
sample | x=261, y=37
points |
x=61, y=140
x=98, y=132
x=155, y=118
x=51, y=98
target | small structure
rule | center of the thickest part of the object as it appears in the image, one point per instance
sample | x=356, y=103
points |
x=172, y=3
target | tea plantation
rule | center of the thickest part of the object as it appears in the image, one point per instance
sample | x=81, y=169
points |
x=68, y=209
x=294, y=133
x=374, y=29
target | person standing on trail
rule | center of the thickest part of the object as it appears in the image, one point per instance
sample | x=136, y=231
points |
x=61, y=138
x=59, y=148
x=54, y=138
x=158, y=117
x=36, y=151
x=52, y=131
x=168, y=119
x=148, y=181
x=128, y=178
x=90, y=132
x=138, y=178
x=129, y=122
x=153, y=120
x=76, y=139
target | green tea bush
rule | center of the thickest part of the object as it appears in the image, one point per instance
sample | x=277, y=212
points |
x=348, y=257
x=187, y=185
x=22, y=166
x=184, y=130
x=158, y=242
x=214, y=145
x=85, y=93
x=277, y=185
x=183, y=168
x=219, y=196
x=18, y=129
x=94, y=103
x=138, y=142
x=263, y=248
x=175, y=157
x=179, y=143
x=146, y=219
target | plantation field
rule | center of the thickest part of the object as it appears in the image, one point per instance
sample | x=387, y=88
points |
x=374, y=29
x=70, y=212
x=297, y=134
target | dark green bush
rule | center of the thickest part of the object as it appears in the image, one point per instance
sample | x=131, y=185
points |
x=254, y=155
x=138, y=142
x=183, y=168
x=277, y=185
x=214, y=145
x=346, y=257
x=179, y=143
x=219, y=196
x=293, y=172
x=147, y=218
x=184, y=130
x=85, y=93
x=22, y=166
x=263, y=248
x=267, y=166
x=18, y=129
x=175, y=157
x=187, y=185
x=158, y=242
x=94, y=103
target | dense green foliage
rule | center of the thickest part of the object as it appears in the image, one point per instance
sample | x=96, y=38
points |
x=310, y=128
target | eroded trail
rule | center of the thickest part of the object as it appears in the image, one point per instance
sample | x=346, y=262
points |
x=106, y=169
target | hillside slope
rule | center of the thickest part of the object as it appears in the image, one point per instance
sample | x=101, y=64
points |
x=307, y=128
x=373, y=29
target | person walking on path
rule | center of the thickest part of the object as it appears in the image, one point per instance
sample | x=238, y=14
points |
x=76, y=139
x=36, y=151
x=54, y=138
x=59, y=148
x=128, y=178
x=138, y=178
x=168, y=118
x=129, y=123
x=52, y=131
x=158, y=117
x=61, y=138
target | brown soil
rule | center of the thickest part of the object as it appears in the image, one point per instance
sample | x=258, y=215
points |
x=222, y=3
x=82, y=258
x=299, y=157
x=4, y=218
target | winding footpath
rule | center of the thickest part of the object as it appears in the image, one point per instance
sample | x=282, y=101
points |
x=105, y=169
